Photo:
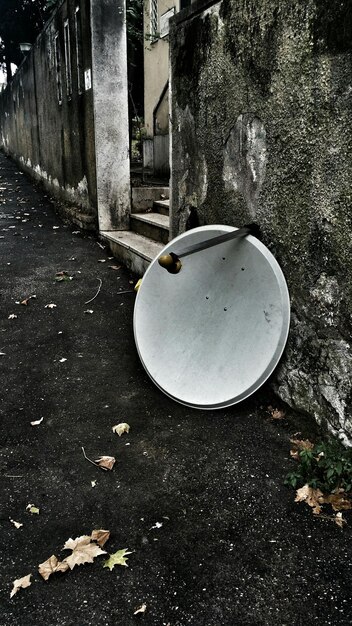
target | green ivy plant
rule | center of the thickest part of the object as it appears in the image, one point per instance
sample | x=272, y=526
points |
x=327, y=466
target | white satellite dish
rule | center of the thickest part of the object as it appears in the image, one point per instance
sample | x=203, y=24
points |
x=210, y=335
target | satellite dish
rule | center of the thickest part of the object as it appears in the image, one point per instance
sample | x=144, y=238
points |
x=210, y=335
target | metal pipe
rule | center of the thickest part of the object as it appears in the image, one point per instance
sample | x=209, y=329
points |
x=172, y=263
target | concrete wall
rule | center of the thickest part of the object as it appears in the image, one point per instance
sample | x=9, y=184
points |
x=156, y=76
x=156, y=61
x=53, y=139
x=66, y=123
x=110, y=93
x=261, y=118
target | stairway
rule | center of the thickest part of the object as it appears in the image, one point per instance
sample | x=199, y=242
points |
x=149, y=229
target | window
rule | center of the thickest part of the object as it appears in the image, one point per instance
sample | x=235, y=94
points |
x=78, y=33
x=58, y=68
x=154, y=19
x=68, y=59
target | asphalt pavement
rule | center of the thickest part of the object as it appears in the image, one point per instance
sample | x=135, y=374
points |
x=196, y=497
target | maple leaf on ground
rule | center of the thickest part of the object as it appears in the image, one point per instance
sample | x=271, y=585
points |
x=118, y=558
x=313, y=497
x=20, y=583
x=106, y=462
x=276, y=414
x=299, y=445
x=100, y=536
x=119, y=429
x=52, y=565
x=83, y=551
x=302, y=444
x=338, y=501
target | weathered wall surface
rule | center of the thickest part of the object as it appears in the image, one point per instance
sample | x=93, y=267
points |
x=261, y=119
x=46, y=115
x=64, y=117
x=110, y=94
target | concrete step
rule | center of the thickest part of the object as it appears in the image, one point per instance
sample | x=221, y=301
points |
x=143, y=197
x=152, y=225
x=162, y=206
x=133, y=250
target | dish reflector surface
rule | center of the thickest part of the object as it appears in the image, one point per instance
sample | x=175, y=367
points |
x=211, y=335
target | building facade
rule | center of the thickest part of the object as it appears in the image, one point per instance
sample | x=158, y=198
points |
x=157, y=14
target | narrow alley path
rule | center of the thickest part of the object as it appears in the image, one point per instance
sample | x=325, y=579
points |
x=198, y=498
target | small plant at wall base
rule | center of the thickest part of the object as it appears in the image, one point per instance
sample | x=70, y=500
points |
x=326, y=466
x=323, y=475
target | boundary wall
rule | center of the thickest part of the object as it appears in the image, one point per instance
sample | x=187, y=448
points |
x=64, y=116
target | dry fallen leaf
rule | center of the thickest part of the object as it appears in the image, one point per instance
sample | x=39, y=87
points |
x=106, y=462
x=50, y=306
x=20, y=583
x=302, y=444
x=83, y=551
x=32, y=509
x=339, y=520
x=138, y=284
x=115, y=267
x=93, y=483
x=62, y=360
x=141, y=609
x=12, y=316
x=89, y=311
x=101, y=260
x=25, y=302
x=118, y=558
x=119, y=429
x=313, y=497
x=52, y=565
x=37, y=422
x=100, y=536
x=338, y=501
x=17, y=524
x=276, y=414
x=62, y=276
x=156, y=525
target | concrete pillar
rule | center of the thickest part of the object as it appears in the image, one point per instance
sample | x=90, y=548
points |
x=110, y=98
